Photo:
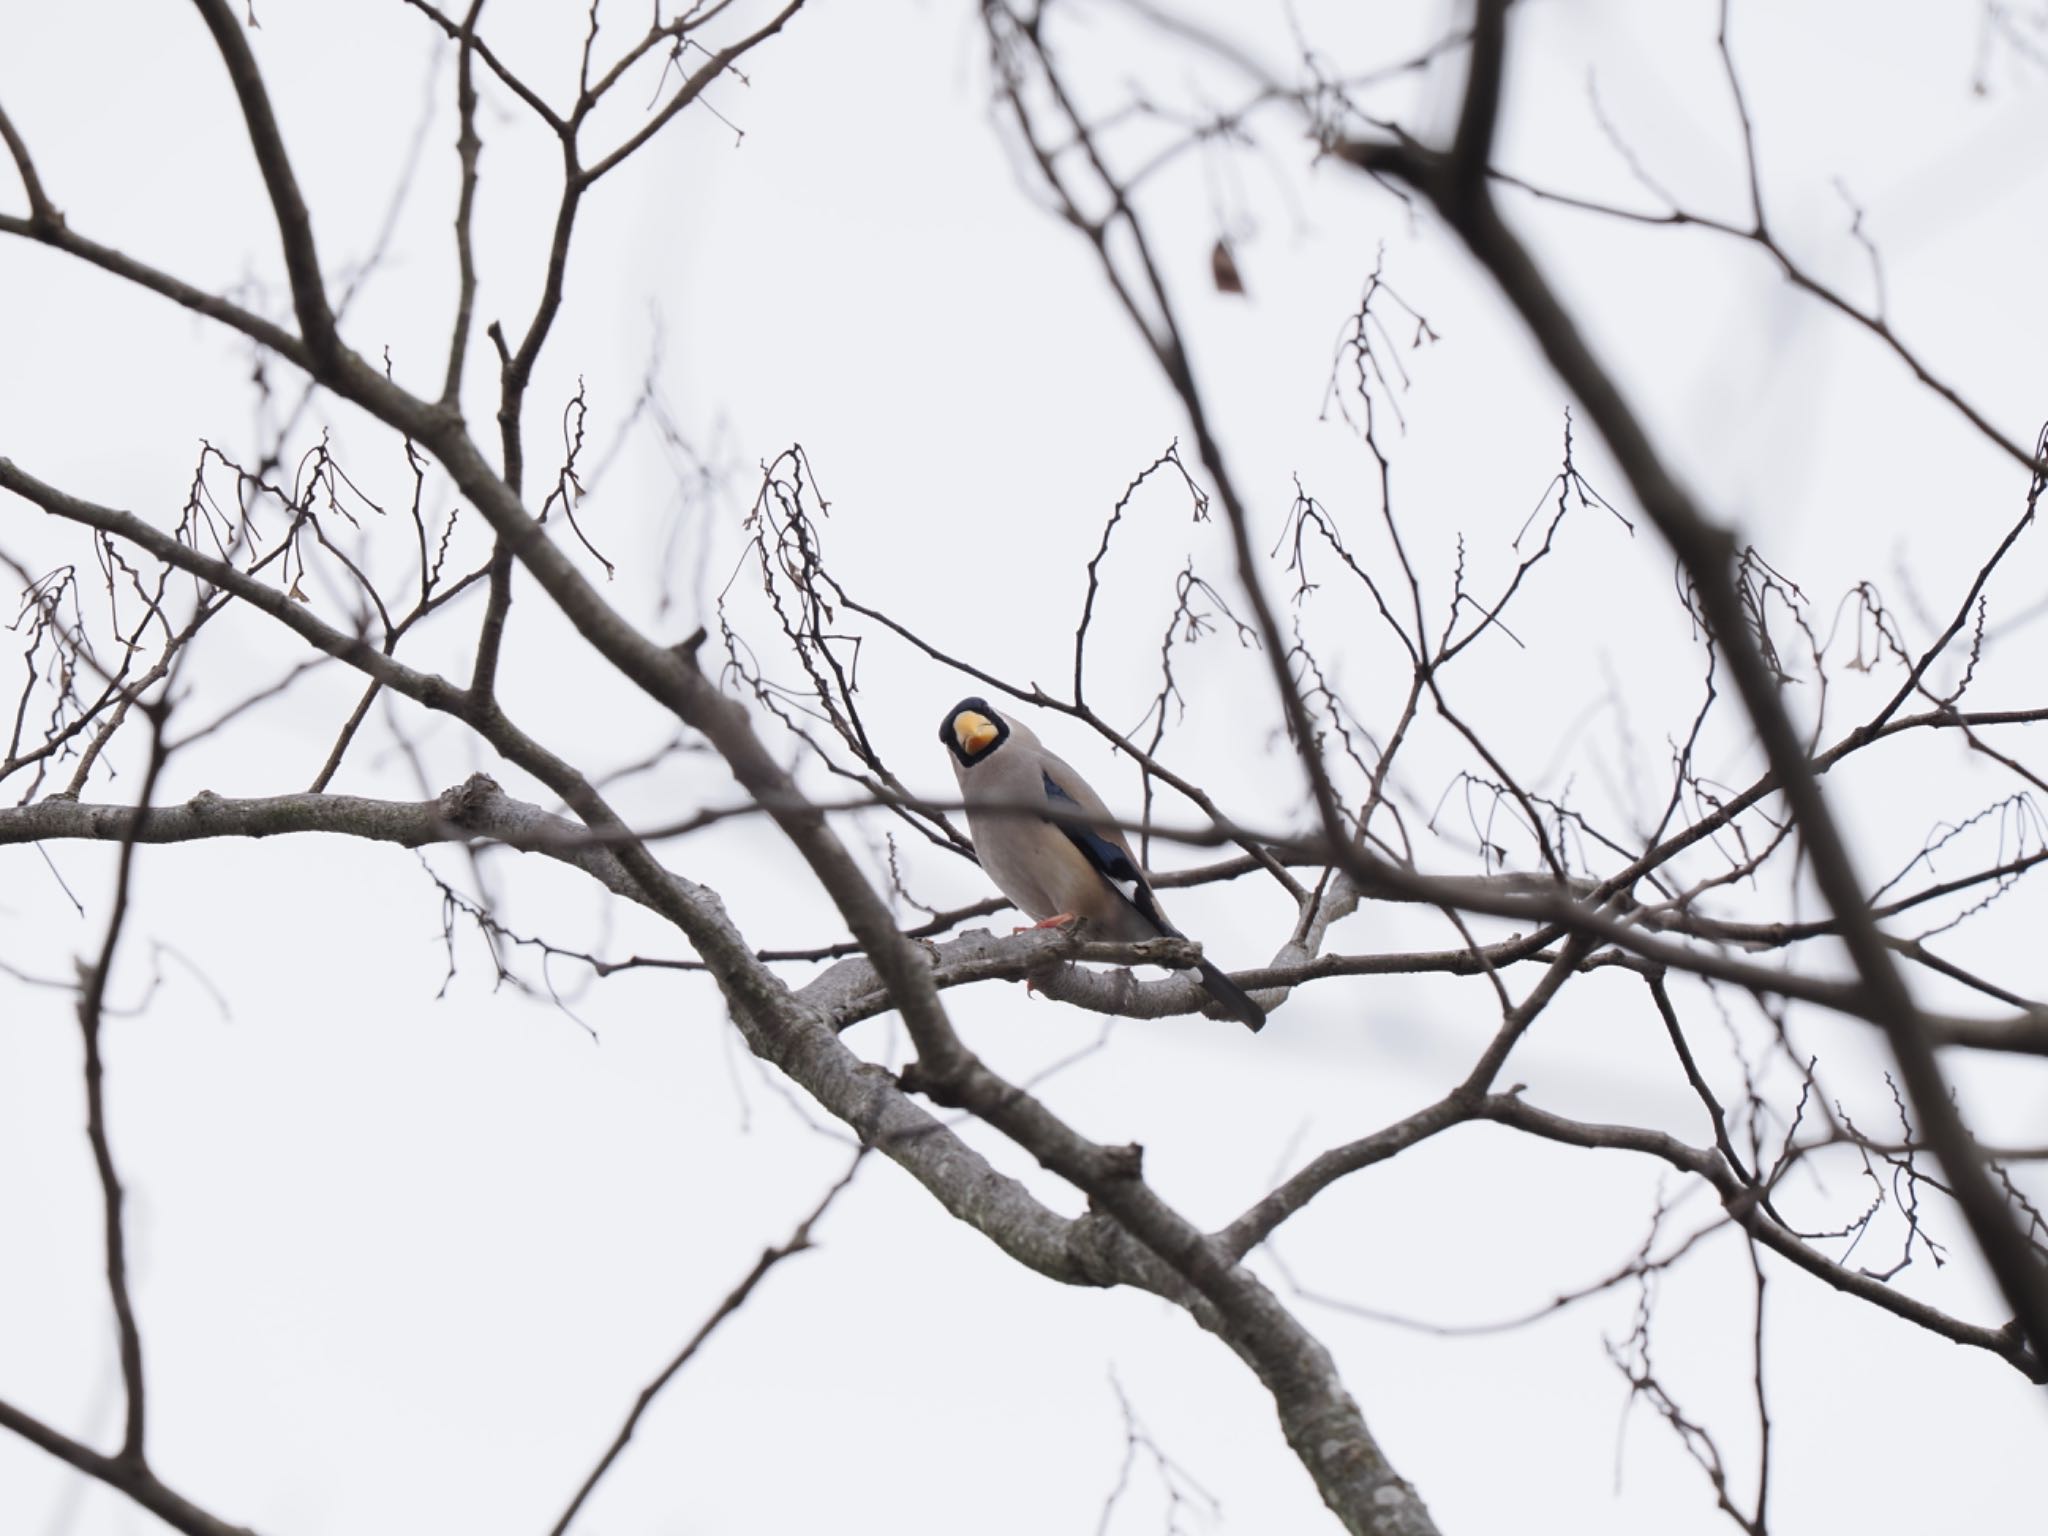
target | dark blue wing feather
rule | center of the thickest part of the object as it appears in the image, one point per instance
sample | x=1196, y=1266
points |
x=1110, y=861
x=1124, y=876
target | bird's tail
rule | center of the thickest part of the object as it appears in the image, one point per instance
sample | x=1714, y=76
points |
x=1233, y=998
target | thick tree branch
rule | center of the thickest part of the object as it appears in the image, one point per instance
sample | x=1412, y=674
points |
x=40, y=213
x=59, y=236
x=856, y=991
x=778, y=1029
x=1292, y=1195
x=131, y=1477
x=294, y=222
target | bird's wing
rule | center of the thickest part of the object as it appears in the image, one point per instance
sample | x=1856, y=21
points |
x=1110, y=856
x=1103, y=847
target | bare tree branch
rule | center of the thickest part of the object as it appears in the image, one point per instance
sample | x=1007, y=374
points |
x=797, y=1242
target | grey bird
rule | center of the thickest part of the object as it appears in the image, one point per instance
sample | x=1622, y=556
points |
x=1055, y=872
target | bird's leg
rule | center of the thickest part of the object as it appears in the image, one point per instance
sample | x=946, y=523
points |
x=1057, y=920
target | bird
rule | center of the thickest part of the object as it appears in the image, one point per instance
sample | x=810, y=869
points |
x=1057, y=872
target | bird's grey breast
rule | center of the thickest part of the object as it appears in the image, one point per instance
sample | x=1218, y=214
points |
x=1005, y=796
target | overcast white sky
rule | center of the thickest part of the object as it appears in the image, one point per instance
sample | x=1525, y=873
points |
x=403, y=1259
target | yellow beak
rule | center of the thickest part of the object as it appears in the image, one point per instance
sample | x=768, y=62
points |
x=974, y=731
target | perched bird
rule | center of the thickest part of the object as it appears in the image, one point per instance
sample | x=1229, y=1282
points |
x=1056, y=872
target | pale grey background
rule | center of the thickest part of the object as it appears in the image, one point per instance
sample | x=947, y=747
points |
x=403, y=1262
